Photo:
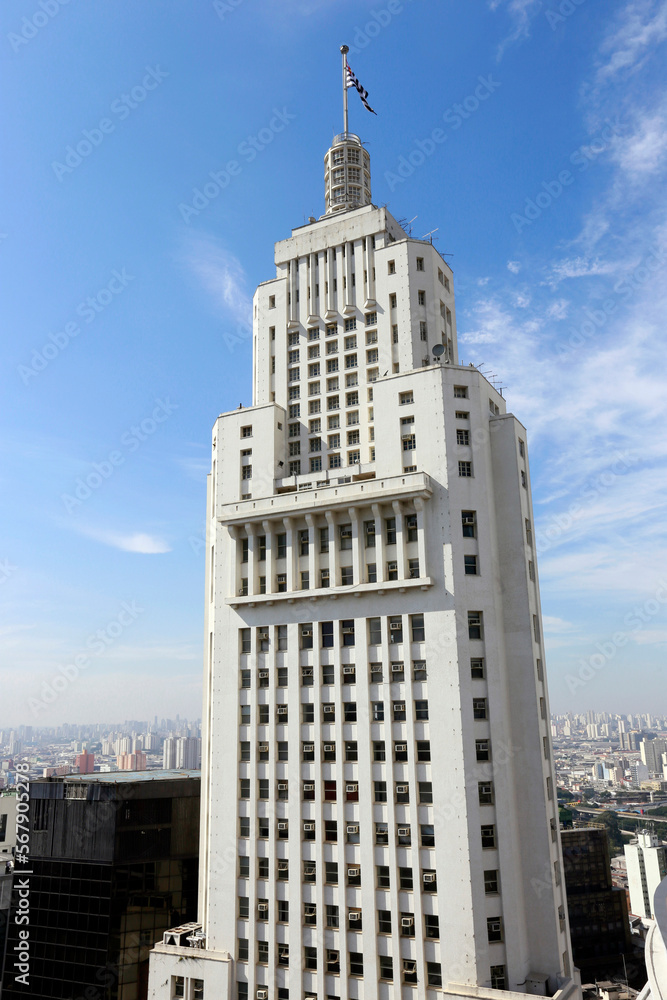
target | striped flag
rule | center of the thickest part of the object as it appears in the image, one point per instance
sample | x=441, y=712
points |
x=363, y=94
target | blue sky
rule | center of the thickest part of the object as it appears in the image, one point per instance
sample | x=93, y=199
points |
x=126, y=313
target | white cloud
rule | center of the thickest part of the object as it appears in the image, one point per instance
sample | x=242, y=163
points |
x=483, y=281
x=579, y=267
x=643, y=152
x=138, y=542
x=521, y=13
x=643, y=25
x=557, y=626
x=514, y=266
x=221, y=275
x=521, y=301
x=558, y=309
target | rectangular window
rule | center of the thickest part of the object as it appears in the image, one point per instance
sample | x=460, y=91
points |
x=376, y=673
x=499, y=977
x=409, y=442
x=488, y=837
x=379, y=791
x=425, y=789
x=474, y=624
x=479, y=709
x=411, y=527
x=494, y=928
x=379, y=751
x=419, y=670
x=460, y=392
x=390, y=530
x=469, y=523
x=485, y=793
x=345, y=536
x=491, y=882
x=421, y=711
x=529, y=533
x=427, y=835
x=383, y=877
x=465, y=470
x=462, y=436
x=483, y=749
x=398, y=711
x=417, y=628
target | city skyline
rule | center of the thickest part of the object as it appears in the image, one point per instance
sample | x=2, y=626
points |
x=560, y=288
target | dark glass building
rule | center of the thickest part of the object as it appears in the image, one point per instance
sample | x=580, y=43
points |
x=598, y=912
x=114, y=862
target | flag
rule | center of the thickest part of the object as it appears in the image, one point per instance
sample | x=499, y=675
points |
x=363, y=94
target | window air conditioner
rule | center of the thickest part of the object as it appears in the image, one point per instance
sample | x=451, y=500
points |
x=309, y=827
x=404, y=831
x=399, y=706
x=395, y=626
x=348, y=630
x=401, y=747
x=282, y=786
x=329, y=747
x=306, y=631
x=352, y=788
x=309, y=910
x=355, y=916
x=397, y=668
x=263, y=907
x=263, y=635
x=410, y=967
x=262, y=995
x=402, y=789
x=306, y=671
x=263, y=747
x=353, y=872
x=282, y=709
x=308, y=747
x=429, y=876
x=309, y=788
x=263, y=674
x=282, y=825
x=407, y=921
x=329, y=709
x=349, y=670
x=353, y=828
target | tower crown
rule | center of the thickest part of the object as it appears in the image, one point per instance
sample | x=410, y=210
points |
x=347, y=174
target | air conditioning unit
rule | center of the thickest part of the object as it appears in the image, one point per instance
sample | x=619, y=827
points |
x=352, y=788
x=263, y=674
x=309, y=909
x=429, y=876
x=282, y=786
x=282, y=709
x=263, y=747
x=262, y=995
x=353, y=828
x=308, y=747
x=306, y=671
x=309, y=870
x=407, y=921
x=353, y=872
x=309, y=827
x=355, y=916
x=283, y=825
x=401, y=747
x=399, y=706
x=263, y=635
x=309, y=788
x=410, y=967
x=329, y=747
x=263, y=907
x=397, y=668
x=404, y=831
x=346, y=532
x=306, y=631
x=395, y=626
x=349, y=670
x=348, y=630
x=402, y=789
x=329, y=709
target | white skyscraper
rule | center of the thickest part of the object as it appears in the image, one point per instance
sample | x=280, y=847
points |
x=379, y=817
x=646, y=860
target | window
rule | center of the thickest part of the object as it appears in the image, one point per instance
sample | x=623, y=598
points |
x=411, y=527
x=329, y=791
x=434, y=973
x=423, y=333
x=485, y=793
x=536, y=628
x=409, y=442
x=403, y=836
x=324, y=578
x=331, y=831
x=494, y=929
x=307, y=712
x=529, y=532
x=246, y=432
x=396, y=628
x=479, y=708
x=398, y=671
x=423, y=750
x=326, y=635
x=333, y=962
x=379, y=791
x=425, y=789
x=390, y=530
x=400, y=751
x=392, y=570
x=356, y=963
x=376, y=673
x=349, y=712
x=421, y=711
x=310, y=958
x=431, y=925
x=460, y=392
x=350, y=324
x=398, y=711
x=488, y=837
x=427, y=835
x=243, y=953
x=419, y=670
x=462, y=436
x=391, y=267
x=417, y=628
x=371, y=336
x=474, y=624
x=498, y=977
x=383, y=878
x=245, y=640
x=386, y=963
x=372, y=574
x=405, y=880
x=524, y=482
x=331, y=873
x=310, y=914
x=483, y=749
x=245, y=755
x=420, y=263
x=332, y=916
x=465, y=470
x=421, y=297
x=382, y=837
x=491, y=882
x=469, y=523
x=281, y=541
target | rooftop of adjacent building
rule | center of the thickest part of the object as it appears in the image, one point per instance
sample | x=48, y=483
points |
x=118, y=777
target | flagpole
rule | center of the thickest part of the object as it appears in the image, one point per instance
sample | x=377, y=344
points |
x=344, y=50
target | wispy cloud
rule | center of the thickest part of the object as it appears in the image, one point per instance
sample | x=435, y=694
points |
x=220, y=274
x=514, y=266
x=641, y=25
x=138, y=542
x=643, y=152
x=520, y=13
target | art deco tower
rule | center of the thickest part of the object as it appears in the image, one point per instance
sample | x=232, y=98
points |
x=379, y=817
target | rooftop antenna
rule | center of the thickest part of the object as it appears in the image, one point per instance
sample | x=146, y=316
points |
x=426, y=235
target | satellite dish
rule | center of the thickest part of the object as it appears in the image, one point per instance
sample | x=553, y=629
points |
x=438, y=350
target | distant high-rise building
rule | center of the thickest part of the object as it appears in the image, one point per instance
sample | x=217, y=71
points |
x=188, y=753
x=131, y=761
x=646, y=860
x=379, y=797
x=85, y=762
x=113, y=862
x=652, y=751
x=169, y=753
x=599, y=924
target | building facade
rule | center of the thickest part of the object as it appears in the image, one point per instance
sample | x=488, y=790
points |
x=646, y=859
x=378, y=797
x=113, y=863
